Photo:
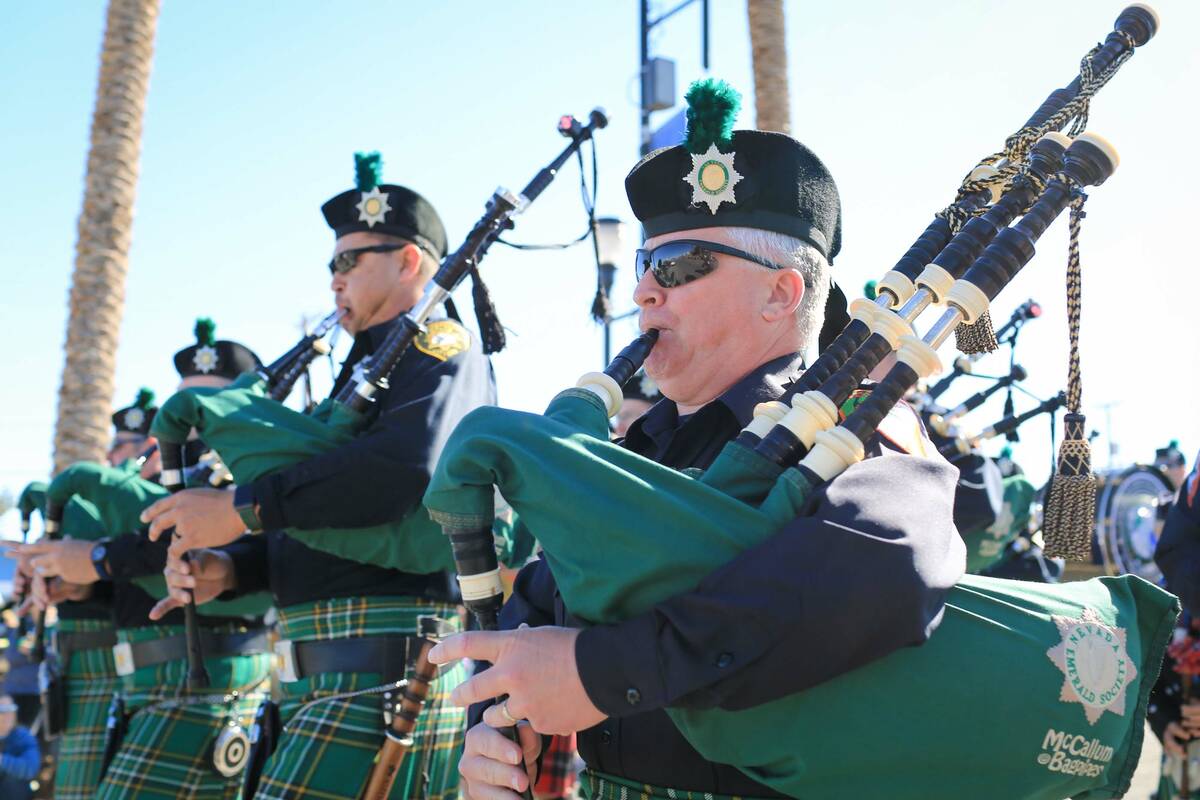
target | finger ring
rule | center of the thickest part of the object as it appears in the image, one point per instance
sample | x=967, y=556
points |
x=504, y=712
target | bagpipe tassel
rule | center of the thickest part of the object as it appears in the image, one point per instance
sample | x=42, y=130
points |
x=978, y=337
x=490, y=329
x=1070, y=511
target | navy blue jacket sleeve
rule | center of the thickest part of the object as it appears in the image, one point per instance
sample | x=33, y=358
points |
x=250, y=571
x=1178, y=551
x=133, y=555
x=863, y=573
x=381, y=474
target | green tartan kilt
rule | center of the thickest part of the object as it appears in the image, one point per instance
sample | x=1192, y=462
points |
x=599, y=786
x=91, y=679
x=167, y=749
x=327, y=749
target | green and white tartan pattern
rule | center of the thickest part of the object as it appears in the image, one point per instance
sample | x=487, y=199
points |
x=91, y=679
x=327, y=749
x=599, y=786
x=167, y=750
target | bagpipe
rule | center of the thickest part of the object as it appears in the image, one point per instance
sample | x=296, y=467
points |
x=1024, y=691
x=281, y=374
x=255, y=435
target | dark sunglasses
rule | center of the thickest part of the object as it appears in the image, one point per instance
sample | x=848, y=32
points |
x=347, y=260
x=685, y=260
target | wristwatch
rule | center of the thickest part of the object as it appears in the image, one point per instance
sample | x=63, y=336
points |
x=244, y=503
x=100, y=559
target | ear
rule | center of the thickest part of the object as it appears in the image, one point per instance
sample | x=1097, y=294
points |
x=410, y=262
x=786, y=291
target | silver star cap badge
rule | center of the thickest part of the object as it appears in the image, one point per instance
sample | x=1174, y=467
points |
x=712, y=178
x=373, y=207
x=205, y=359
x=134, y=418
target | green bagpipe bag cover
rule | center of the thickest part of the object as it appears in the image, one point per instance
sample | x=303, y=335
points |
x=255, y=436
x=1024, y=690
x=81, y=519
x=986, y=546
x=118, y=496
x=32, y=498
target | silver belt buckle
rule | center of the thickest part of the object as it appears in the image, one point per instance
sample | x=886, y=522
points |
x=429, y=626
x=123, y=657
x=285, y=661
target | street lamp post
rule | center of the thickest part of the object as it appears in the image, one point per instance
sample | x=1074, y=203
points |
x=611, y=242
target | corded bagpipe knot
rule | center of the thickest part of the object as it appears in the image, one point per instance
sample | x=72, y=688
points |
x=1025, y=175
x=490, y=329
x=955, y=215
x=1070, y=511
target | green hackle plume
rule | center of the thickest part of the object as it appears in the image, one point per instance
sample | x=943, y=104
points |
x=712, y=108
x=870, y=290
x=368, y=170
x=145, y=398
x=206, y=331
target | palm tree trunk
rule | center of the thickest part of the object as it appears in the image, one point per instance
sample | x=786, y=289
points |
x=97, y=298
x=768, y=44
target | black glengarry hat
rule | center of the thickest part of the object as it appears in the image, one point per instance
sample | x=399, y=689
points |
x=137, y=417
x=719, y=177
x=376, y=207
x=208, y=356
x=722, y=177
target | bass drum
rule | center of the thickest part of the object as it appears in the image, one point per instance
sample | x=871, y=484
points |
x=1129, y=509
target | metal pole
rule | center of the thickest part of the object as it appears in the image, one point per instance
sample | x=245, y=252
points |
x=704, y=34
x=644, y=147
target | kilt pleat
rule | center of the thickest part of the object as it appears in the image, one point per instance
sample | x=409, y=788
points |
x=91, y=678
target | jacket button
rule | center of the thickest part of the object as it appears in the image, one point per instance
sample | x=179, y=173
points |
x=724, y=660
x=606, y=736
x=633, y=696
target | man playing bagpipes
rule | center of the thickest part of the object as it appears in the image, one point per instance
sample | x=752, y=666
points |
x=84, y=635
x=734, y=274
x=348, y=625
x=160, y=738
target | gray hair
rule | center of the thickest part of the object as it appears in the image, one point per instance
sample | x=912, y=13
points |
x=792, y=252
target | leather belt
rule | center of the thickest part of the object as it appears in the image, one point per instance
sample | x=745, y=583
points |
x=132, y=656
x=67, y=642
x=387, y=654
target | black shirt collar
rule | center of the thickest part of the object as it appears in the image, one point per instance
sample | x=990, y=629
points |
x=653, y=431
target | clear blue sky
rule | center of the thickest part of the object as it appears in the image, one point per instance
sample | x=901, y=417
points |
x=255, y=110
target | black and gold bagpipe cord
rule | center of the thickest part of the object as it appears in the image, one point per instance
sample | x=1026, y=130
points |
x=1070, y=511
x=979, y=336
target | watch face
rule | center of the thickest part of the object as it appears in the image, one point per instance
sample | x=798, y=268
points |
x=98, y=553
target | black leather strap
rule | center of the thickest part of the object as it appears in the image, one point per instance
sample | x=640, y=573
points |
x=214, y=645
x=387, y=655
x=67, y=642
